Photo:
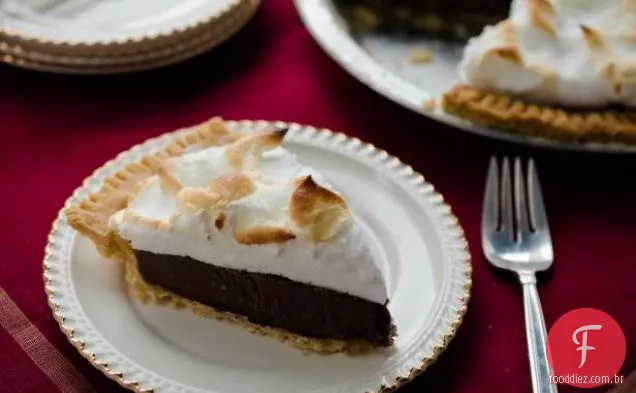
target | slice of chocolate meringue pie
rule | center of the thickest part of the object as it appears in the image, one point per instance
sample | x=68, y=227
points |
x=559, y=68
x=234, y=227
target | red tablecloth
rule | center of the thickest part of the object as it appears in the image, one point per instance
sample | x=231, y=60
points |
x=57, y=129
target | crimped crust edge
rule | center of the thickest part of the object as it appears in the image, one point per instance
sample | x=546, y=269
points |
x=515, y=115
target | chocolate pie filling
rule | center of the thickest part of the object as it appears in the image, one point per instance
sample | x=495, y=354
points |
x=270, y=300
x=451, y=18
x=493, y=7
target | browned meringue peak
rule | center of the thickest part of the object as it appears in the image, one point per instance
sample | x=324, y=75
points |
x=593, y=39
x=167, y=179
x=244, y=152
x=508, y=32
x=629, y=5
x=541, y=13
x=507, y=49
x=609, y=70
x=129, y=217
x=233, y=186
x=191, y=199
x=509, y=53
x=223, y=190
x=318, y=211
x=259, y=235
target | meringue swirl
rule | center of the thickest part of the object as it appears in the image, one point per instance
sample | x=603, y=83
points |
x=578, y=53
x=252, y=206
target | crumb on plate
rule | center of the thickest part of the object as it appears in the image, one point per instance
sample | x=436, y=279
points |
x=430, y=104
x=418, y=56
x=365, y=17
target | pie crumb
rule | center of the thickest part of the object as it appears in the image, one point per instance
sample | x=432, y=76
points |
x=430, y=104
x=420, y=56
x=365, y=18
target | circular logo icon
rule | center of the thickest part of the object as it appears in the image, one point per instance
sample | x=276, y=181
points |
x=586, y=348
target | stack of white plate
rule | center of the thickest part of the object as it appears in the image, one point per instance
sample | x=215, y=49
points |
x=114, y=36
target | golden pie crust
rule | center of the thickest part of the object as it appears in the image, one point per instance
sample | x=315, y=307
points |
x=90, y=218
x=514, y=115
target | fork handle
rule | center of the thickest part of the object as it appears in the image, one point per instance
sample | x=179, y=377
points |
x=536, y=336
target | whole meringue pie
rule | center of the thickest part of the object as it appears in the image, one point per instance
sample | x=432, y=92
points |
x=560, y=68
x=234, y=227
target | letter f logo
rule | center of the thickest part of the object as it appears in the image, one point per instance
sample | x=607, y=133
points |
x=583, y=345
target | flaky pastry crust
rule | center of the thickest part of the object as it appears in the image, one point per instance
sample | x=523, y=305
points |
x=515, y=115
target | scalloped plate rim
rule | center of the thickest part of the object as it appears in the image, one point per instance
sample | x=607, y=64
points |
x=135, y=43
x=152, y=59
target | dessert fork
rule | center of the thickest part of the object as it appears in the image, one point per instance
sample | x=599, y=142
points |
x=519, y=240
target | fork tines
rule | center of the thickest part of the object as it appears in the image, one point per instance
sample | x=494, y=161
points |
x=528, y=215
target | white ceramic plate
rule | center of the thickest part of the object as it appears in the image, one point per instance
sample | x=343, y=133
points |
x=152, y=51
x=381, y=61
x=142, y=60
x=97, y=21
x=424, y=254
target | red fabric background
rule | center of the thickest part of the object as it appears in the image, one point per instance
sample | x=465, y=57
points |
x=57, y=129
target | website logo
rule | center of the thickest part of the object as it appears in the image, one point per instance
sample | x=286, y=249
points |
x=586, y=349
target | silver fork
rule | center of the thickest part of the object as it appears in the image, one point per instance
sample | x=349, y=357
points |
x=520, y=242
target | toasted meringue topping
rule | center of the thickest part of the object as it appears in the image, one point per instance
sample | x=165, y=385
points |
x=509, y=53
x=251, y=206
x=565, y=52
x=629, y=5
x=508, y=33
x=318, y=211
x=242, y=153
x=542, y=13
x=191, y=199
x=263, y=235
x=233, y=186
x=609, y=71
x=169, y=182
x=593, y=39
